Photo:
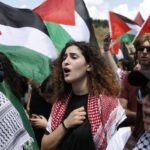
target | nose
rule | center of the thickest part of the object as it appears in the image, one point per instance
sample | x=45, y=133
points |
x=66, y=61
x=145, y=50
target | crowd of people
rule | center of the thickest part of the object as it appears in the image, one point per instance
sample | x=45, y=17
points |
x=136, y=136
x=84, y=104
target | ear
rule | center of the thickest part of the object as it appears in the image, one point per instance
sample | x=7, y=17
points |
x=89, y=68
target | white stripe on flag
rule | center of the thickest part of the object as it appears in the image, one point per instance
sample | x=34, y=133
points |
x=134, y=28
x=29, y=37
x=79, y=31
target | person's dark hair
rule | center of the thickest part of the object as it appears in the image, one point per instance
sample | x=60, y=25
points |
x=18, y=83
x=141, y=40
x=47, y=87
x=145, y=37
x=101, y=78
x=126, y=64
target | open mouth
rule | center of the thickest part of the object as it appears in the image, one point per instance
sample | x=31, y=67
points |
x=144, y=58
x=146, y=117
x=66, y=70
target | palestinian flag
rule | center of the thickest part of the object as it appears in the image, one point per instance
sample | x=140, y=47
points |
x=139, y=19
x=122, y=28
x=53, y=10
x=145, y=28
x=115, y=48
x=24, y=40
x=75, y=25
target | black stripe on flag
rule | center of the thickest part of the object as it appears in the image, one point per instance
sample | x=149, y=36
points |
x=17, y=18
x=83, y=12
x=125, y=19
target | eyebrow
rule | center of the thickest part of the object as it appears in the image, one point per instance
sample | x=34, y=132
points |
x=72, y=53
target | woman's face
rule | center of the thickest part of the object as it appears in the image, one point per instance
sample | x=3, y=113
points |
x=74, y=65
x=146, y=110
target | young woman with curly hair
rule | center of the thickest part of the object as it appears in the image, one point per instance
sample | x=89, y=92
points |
x=87, y=111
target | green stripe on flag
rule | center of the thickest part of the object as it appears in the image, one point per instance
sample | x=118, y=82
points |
x=126, y=38
x=58, y=35
x=26, y=62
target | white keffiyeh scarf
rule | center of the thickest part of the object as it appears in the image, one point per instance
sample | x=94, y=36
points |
x=144, y=142
x=13, y=136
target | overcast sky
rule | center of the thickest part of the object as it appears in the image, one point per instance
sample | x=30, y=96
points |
x=98, y=9
x=129, y=8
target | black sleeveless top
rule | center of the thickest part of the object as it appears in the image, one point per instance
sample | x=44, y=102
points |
x=79, y=137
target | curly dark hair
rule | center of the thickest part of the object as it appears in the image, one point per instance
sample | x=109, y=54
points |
x=18, y=83
x=101, y=78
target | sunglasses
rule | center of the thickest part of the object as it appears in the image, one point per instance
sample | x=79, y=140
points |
x=141, y=48
x=142, y=92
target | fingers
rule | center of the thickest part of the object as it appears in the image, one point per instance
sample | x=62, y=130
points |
x=107, y=38
x=42, y=117
x=76, y=117
x=80, y=119
x=34, y=116
x=38, y=121
x=37, y=125
x=33, y=120
x=80, y=111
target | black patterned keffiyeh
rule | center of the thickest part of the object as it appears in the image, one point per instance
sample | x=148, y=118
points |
x=13, y=136
x=144, y=142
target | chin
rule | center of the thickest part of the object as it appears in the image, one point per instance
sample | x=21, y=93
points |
x=147, y=127
x=68, y=81
x=145, y=62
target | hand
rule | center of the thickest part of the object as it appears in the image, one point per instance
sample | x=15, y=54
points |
x=107, y=41
x=137, y=67
x=76, y=117
x=38, y=121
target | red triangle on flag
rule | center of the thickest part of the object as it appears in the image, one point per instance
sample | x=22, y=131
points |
x=145, y=28
x=58, y=11
x=118, y=25
x=115, y=48
x=139, y=19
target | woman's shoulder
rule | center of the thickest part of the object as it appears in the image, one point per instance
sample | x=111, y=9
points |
x=110, y=100
x=110, y=107
x=108, y=96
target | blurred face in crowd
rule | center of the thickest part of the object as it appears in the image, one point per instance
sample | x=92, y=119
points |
x=144, y=55
x=74, y=65
x=145, y=92
x=130, y=48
